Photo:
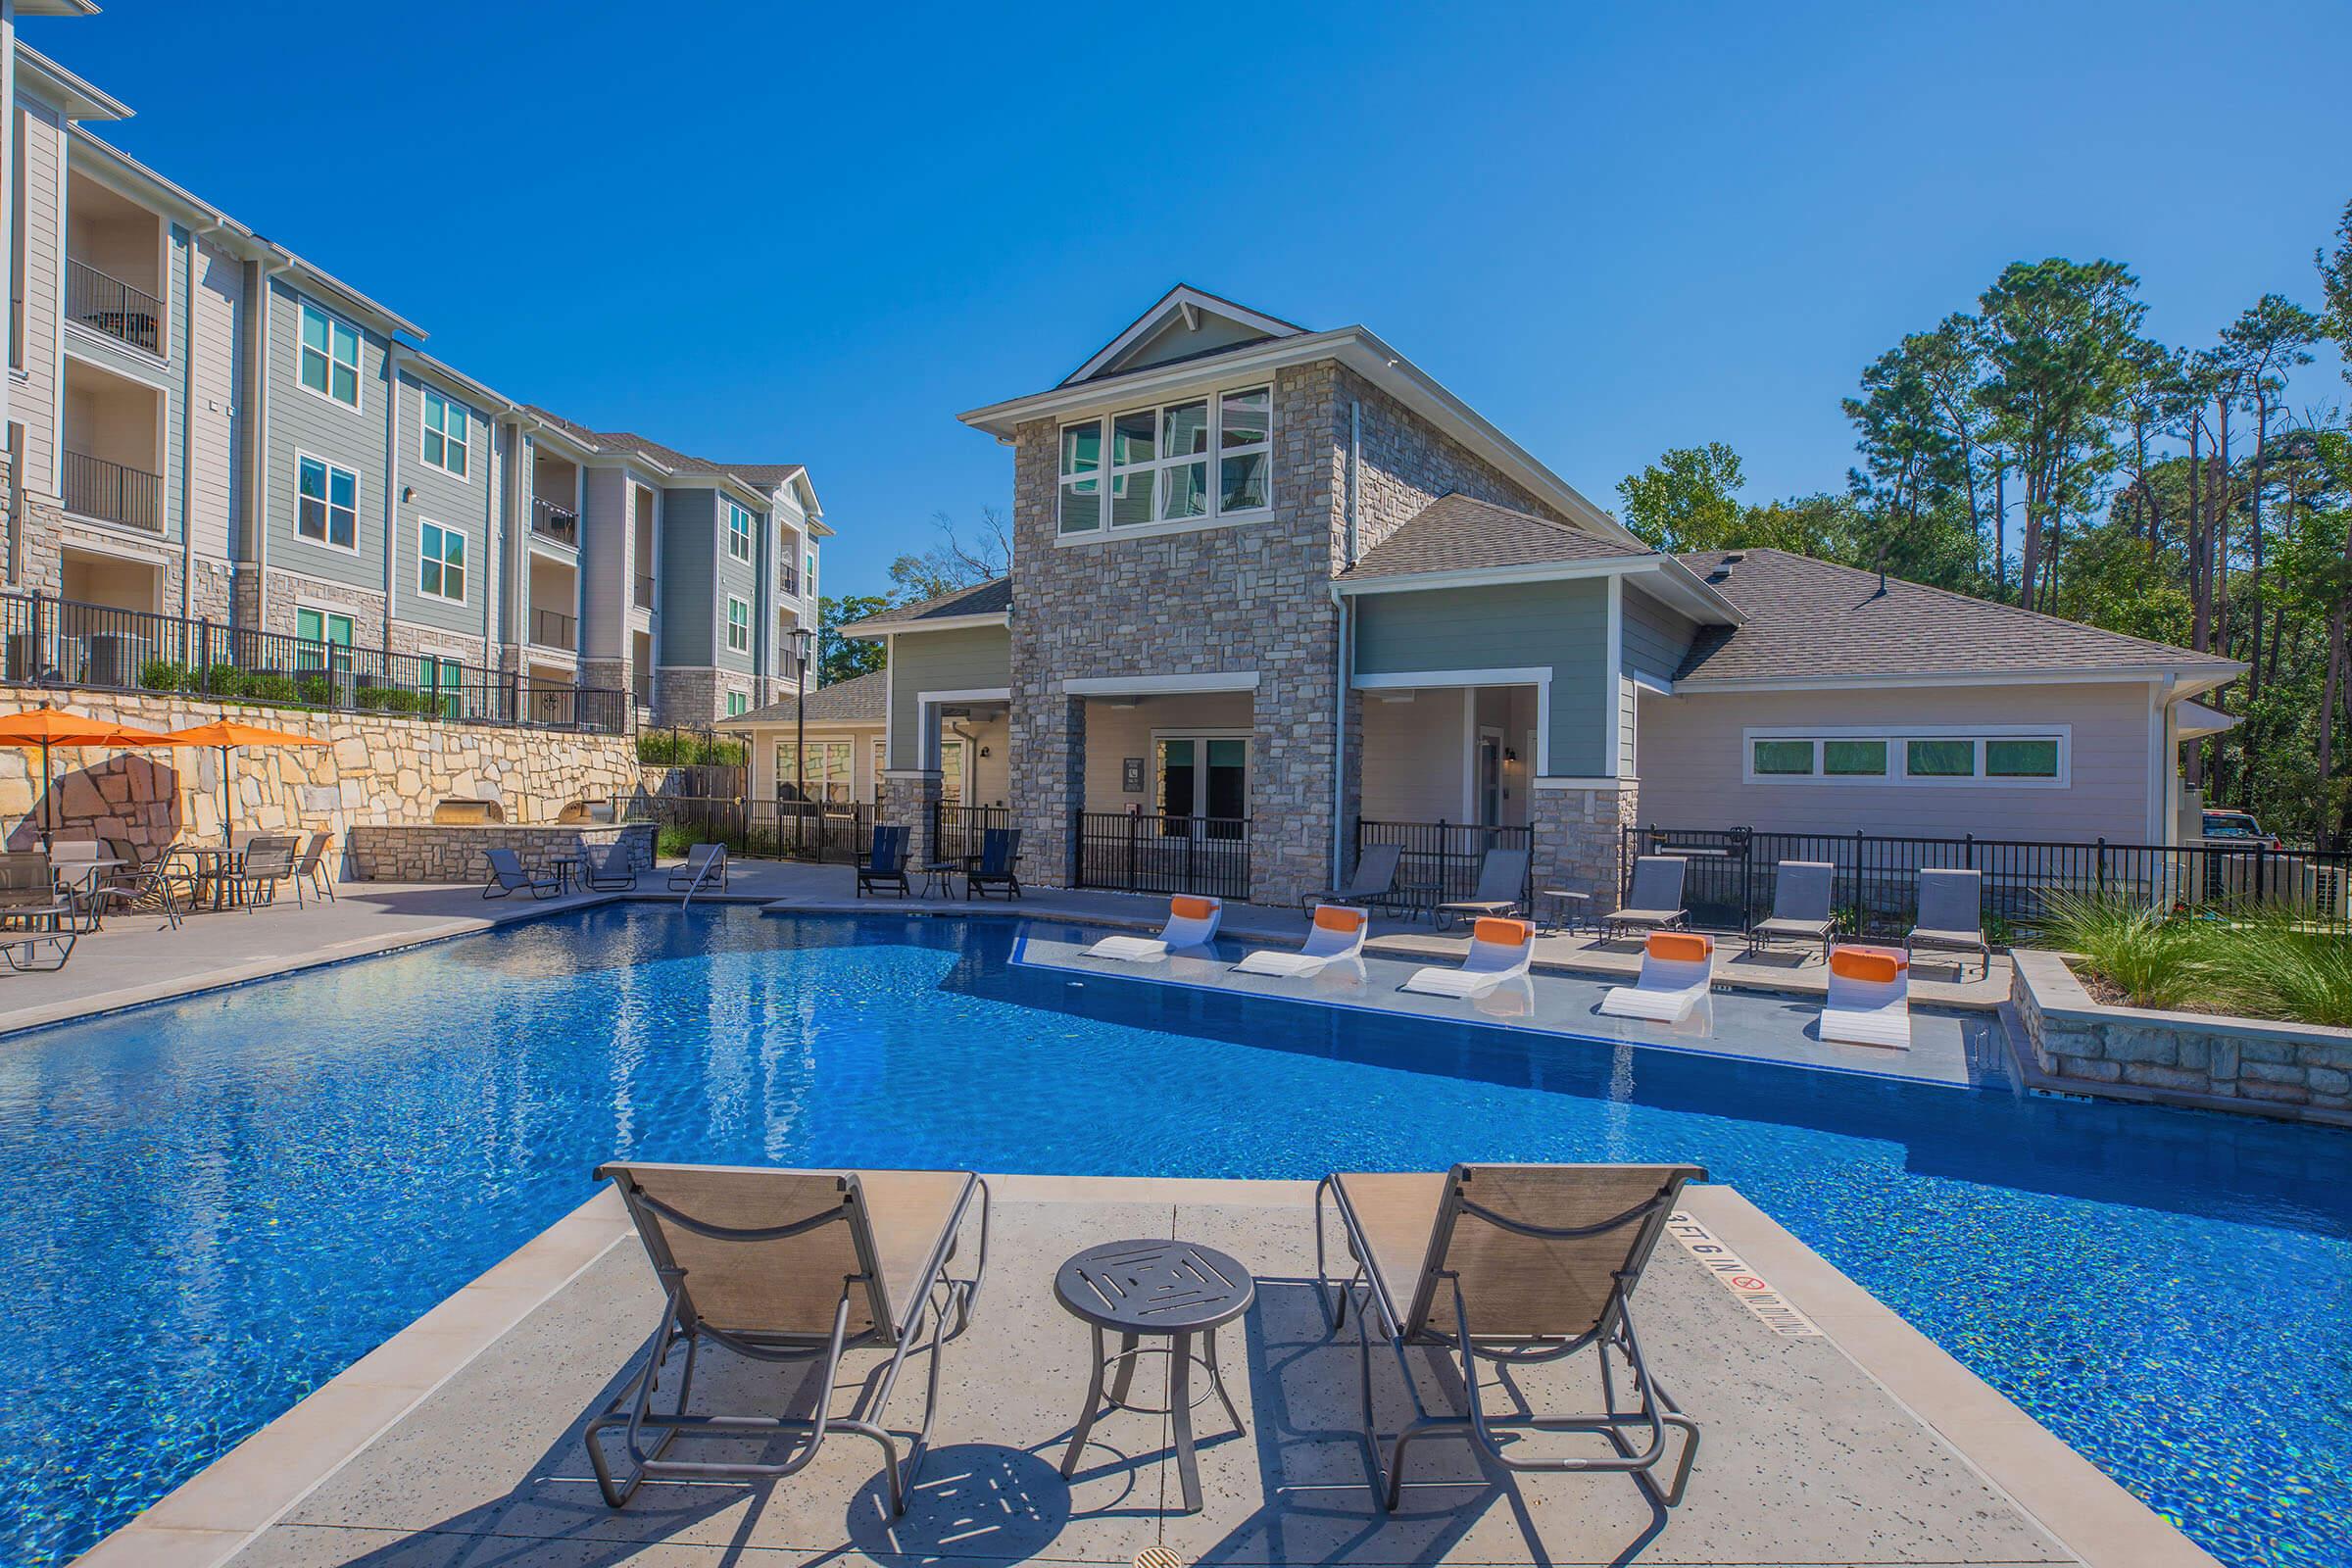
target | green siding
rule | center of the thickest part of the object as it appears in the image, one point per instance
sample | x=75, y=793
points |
x=961, y=659
x=1656, y=639
x=690, y=632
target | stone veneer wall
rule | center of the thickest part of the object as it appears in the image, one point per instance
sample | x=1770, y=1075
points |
x=1578, y=839
x=376, y=768
x=697, y=696
x=453, y=853
x=2294, y=1069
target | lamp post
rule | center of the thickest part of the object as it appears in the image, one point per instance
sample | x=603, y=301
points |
x=800, y=728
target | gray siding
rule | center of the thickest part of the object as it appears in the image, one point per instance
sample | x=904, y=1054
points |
x=741, y=579
x=444, y=499
x=1559, y=625
x=606, y=590
x=688, y=589
x=354, y=439
x=961, y=659
x=1656, y=638
x=216, y=349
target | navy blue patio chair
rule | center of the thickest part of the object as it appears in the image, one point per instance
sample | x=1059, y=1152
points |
x=886, y=863
x=997, y=866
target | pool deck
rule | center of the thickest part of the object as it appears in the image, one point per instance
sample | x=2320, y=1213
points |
x=458, y=1441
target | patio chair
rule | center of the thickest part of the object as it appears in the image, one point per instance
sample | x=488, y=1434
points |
x=70, y=867
x=1800, y=905
x=161, y=883
x=886, y=863
x=1656, y=901
x=29, y=892
x=1338, y=937
x=268, y=860
x=312, y=870
x=1870, y=997
x=508, y=877
x=1501, y=886
x=998, y=864
x=788, y=1266
x=1952, y=915
x=1509, y=1265
x=1191, y=922
x=1374, y=882
x=1678, y=973
x=1500, y=950
x=703, y=863
x=614, y=871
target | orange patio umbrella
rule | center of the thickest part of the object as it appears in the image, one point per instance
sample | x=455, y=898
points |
x=225, y=733
x=46, y=726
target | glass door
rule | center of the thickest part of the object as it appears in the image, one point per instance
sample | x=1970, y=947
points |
x=1202, y=777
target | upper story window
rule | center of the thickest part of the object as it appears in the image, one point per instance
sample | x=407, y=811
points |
x=737, y=705
x=441, y=562
x=330, y=356
x=739, y=624
x=1177, y=464
x=1934, y=754
x=739, y=532
x=327, y=506
x=445, y=433
x=810, y=583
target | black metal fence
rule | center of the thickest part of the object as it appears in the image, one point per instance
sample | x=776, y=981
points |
x=58, y=642
x=1445, y=856
x=106, y=304
x=1731, y=875
x=96, y=488
x=789, y=830
x=956, y=831
x=1138, y=851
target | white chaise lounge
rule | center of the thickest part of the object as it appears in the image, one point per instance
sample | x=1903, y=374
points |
x=1191, y=921
x=1870, y=997
x=1676, y=969
x=1500, y=950
x=1338, y=936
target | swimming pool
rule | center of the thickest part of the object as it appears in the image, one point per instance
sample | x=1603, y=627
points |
x=215, y=1204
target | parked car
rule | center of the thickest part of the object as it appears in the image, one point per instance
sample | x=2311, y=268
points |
x=2239, y=827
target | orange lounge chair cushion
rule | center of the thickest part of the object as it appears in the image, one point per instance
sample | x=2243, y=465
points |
x=1331, y=917
x=1192, y=908
x=1874, y=964
x=1507, y=933
x=1681, y=947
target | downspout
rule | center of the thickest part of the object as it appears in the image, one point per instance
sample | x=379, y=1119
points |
x=187, y=427
x=258, y=474
x=1339, y=749
x=392, y=352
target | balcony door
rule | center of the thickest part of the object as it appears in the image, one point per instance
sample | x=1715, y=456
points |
x=1203, y=776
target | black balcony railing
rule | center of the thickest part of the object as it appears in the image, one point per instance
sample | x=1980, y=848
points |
x=1136, y=852
x=97, y=488
x=645, y=591
x=111, y=306
x=551, y=522
x=553, y=629
x=58, y=642
x=789, y=579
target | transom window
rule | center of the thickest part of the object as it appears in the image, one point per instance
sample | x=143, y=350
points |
x=330, y=356
x=1932, y=756
x=328, y=504
x=739, y=532
x=440, y=561
x=445, y=433
x=1175, y=463
x=739, y=624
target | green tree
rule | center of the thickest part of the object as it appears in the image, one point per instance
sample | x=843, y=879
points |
x=1687, y=500
x=840, y=657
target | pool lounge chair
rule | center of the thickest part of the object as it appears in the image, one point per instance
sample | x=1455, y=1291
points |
x=1501, y=886
x=1374, y=882
x=788, y=1266
x=614, y=871
x=1677, y=969
x=28, y=893
x=1656, y=901
x=508, y=877
x=997, y=866
x=1800, y=905
x=1500, y=950
x=1870, y=997
x=1509, y=1265
x=705, y=865
x=885, y=861
x=1191, y=921
x=1952, y=915
x=1338, y=937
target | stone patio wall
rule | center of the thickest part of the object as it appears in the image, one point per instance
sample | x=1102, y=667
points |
x=458, y=854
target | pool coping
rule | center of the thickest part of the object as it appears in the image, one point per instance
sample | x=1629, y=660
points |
x=215, y=1513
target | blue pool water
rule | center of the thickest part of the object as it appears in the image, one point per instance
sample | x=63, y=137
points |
x=215, y=1204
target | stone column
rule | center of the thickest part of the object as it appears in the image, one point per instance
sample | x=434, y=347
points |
x=1579, y=838
x=908, y=795
x=1048, y=771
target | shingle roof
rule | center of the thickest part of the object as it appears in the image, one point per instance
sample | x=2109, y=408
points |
x=991, y=598
x=758, y=475
x=861, y=698
x=1456, y=533
x=1808, y=618
x=766, y=475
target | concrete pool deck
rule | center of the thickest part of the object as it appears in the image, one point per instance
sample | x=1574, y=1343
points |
x=458, y=1442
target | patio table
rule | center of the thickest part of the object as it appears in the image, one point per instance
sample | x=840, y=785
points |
x=939, y=876
x=77, y=880
x=572, y=872
x=215, y=868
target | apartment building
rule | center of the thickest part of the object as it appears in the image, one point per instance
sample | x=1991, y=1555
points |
x=205, y=427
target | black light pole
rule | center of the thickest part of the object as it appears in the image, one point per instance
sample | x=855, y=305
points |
x=800, y=725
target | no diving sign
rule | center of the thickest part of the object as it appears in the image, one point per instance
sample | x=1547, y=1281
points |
x=1756, y=1294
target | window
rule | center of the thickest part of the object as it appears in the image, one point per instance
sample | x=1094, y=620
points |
x=952, y=774
x=1201, y=776
x=440, y=561
x=330, y=356
x=1940, y=759
x=737, y=705
x=739, y=532
x=1783, y=756
x=1175, y=464
x=739, y=624
x=1913, y=755
x=808, y=575
x=445, y=680
x=2024, y=759
x=823, y=774
x=328, y=507
x=1854, y=759
x=325, y=639
x=444, y=433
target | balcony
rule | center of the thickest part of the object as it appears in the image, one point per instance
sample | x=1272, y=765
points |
x=645, y=591
x=554, y=629
x=111, y=306
x=551, y=522
x=788, y=578
x=97, y=488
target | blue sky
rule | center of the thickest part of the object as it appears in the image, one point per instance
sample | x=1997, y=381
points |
x=816, y=233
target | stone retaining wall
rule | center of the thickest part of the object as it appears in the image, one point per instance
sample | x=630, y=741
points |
x=2284, y=1068
x=395, y=852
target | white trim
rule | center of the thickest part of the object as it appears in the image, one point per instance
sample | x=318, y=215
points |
x=1469, y=753
x=1610, y=567
x=325, y=540
x=144, y=359
x=1613, y=739
x=927, y=721
x=465, y=568
x=1898, y=774
x=1190, y=302
x=728, y=625
x=1108, y=471
x=1537, y=675
x=448, y=403
x=872, y=631
x=2159, y=707
x=2125, y=674
x=751, y=531
x=358, y=378
x=1153, y=530
x=1566, y=782
x=978, y=694
x=1159, y=685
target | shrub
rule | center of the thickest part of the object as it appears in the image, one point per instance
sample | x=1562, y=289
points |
x=669, y=748
x=2271, y=963
x=223, y=680
x=267, y=686
x=2262, y=963
x=315, y=691
x=2152, y=958
x=163, y=676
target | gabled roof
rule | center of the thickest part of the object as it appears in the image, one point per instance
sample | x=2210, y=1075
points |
x=1186, y=324
x=859, y=700
x=992, y=599
x=1458, y=533
x=762, y=477
x=1815, y=621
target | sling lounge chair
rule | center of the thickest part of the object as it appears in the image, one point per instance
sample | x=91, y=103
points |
x=1656, y=901
x=1374, y=882
x=1500, y=950
x=886, y=862
x=1678, y=968
x=1191, y=921
x=1338, y=937
x=1952, y=915
x=267, y=860
x=29, y=892
x=1800, y=905
x=312, y=870
x=1509, y=1265
x=788, y=1266
x=1501, y=886
x=996, y=866
x=612, y=871
x=1870, y=997
x=705, y=865
x=158, y=881
x=506, y=876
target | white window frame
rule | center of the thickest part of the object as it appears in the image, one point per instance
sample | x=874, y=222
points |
x=1248, y=738
x=359, y=355
x=326, y=541
x=465, y=568
x=425, y=432
x=1898, y=774
x=738, y=705
x=1106, y=476
x=735, y=512
x=742, y=626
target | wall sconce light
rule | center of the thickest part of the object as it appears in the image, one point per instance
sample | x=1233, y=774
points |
x=408, y=492
x=1510, y=754
x=983, y=750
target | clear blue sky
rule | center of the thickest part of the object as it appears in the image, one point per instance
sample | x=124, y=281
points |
x=816, y=233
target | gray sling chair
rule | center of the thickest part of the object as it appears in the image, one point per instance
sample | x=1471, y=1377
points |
x=614, y=870
x=1374, y=882
x=1654, y=903
x=508, y=877
x=1800, y=905
x=784, y=1266
x=1510, y=1264
x=1951, y=917
x=29, y=892
x=1501, y=886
